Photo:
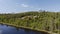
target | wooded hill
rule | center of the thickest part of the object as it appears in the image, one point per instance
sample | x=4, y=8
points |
x=42, y=20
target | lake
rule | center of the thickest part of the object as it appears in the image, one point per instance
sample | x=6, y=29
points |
x=4, y=29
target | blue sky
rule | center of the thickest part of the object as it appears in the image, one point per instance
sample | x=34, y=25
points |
x=10, y=6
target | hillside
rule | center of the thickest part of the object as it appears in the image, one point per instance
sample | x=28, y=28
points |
x=49, y=21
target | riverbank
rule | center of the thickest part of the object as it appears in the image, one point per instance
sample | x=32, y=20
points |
x=40, y=21
x=27, y=28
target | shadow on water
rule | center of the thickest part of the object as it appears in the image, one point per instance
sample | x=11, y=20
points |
x=35, y=31
x=29, y=31
x=16, y=30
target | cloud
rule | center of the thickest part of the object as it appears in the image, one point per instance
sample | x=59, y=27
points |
x=24, y=5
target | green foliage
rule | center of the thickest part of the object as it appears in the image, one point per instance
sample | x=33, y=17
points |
x=37, y=20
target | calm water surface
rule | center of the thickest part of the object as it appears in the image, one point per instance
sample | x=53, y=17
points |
x=13, y=30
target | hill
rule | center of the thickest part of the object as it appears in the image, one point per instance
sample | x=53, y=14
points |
x=41, y=20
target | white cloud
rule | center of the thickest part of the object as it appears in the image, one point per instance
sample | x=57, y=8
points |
x=24, y=5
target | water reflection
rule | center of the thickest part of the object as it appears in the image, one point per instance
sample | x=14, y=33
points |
x=5, y=29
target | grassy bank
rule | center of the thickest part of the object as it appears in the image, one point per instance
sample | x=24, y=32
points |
x=41, y=21
x=49, y=32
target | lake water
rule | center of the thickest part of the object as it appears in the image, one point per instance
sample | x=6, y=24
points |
x=13, y=30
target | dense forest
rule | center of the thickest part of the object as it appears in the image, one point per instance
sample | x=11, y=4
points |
x=39, y=20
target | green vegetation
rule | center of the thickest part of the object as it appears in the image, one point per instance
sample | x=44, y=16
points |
x=38, y=20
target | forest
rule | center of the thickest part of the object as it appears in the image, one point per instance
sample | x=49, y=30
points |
x=38, y=20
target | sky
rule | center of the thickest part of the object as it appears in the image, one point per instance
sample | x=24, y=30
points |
x=15, y=6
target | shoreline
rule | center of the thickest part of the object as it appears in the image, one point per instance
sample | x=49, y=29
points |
x=27, y=28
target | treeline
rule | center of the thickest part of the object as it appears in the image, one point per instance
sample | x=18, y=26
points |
x=49, y=21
